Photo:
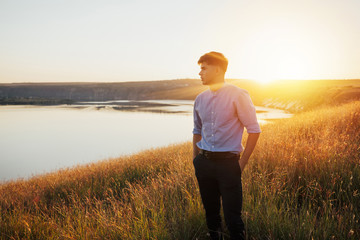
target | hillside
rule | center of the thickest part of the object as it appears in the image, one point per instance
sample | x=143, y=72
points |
x=104, y=91
x=302, y=182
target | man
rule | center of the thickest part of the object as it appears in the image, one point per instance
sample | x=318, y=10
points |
x=220, y=115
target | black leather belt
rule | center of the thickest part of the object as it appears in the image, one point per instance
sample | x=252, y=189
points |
x=209, y=154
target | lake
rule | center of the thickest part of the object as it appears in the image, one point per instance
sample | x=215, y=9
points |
x=40, y=139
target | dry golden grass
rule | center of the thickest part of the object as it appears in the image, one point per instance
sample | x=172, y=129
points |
x=303, y=182
x=304, y=178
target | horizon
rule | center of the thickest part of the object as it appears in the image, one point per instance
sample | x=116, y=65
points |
x=181, y=79
x=93, y=41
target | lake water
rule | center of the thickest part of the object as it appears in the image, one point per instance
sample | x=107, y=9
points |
x=39, y=139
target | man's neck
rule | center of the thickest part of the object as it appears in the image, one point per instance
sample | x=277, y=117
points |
x=216, y=86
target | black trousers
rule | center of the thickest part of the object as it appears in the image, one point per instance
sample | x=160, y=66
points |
x=219, y=178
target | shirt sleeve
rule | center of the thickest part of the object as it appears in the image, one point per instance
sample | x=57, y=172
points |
x=247, y=113
x=197, y=121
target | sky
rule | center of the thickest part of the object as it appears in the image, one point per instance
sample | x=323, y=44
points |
x=140, y=40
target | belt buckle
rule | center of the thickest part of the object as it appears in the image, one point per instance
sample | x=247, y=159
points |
x=206, y=153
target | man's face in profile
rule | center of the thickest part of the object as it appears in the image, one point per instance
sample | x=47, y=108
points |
x=208, y=73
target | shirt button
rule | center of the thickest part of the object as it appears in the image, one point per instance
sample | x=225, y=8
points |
x=212, y=146
x=212, y=134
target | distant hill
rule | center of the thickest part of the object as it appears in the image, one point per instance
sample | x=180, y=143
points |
x=294, y=96
x=168, y=89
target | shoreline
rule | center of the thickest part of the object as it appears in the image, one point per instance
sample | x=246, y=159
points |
x=154, y=106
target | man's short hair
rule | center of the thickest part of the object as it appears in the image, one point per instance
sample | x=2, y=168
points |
x=214, y=58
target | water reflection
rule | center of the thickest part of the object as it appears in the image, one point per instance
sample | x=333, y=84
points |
x=36, y=140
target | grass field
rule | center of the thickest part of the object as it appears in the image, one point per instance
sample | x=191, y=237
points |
x=302, y=182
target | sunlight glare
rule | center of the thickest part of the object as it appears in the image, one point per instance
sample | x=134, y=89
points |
x=278, y=51
x=264, y=80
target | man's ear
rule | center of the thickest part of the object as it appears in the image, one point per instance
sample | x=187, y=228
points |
x=219, y=70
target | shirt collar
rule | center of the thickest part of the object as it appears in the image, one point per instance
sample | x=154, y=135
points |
x=220, y=89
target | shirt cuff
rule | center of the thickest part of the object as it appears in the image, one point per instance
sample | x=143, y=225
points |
x=253, y=128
